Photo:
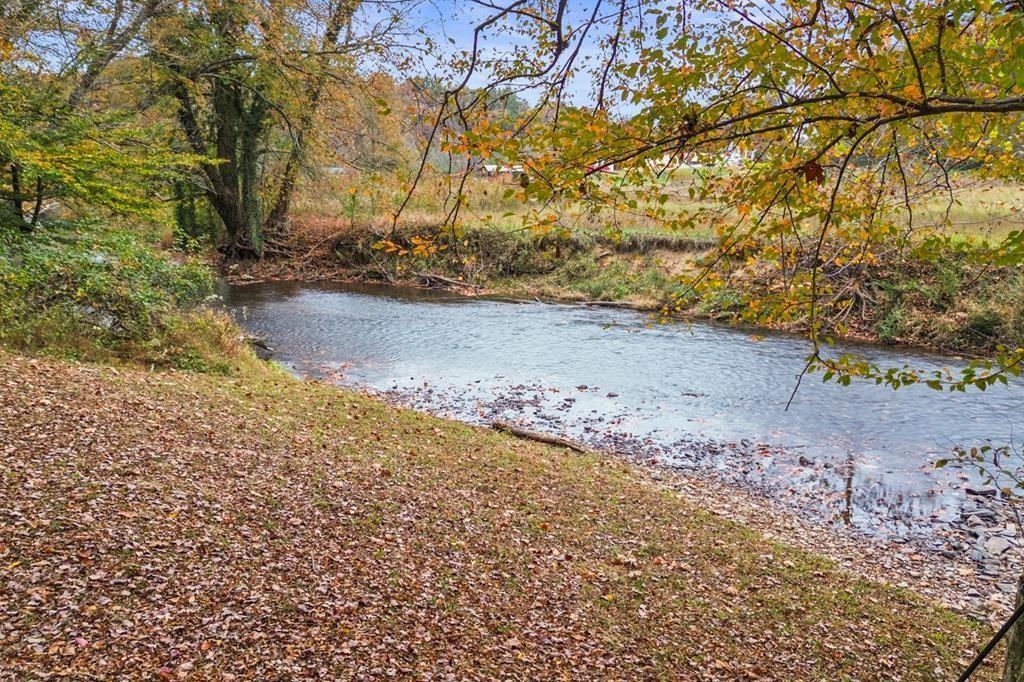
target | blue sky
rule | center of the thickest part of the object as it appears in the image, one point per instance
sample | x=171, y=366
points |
x=450, y=23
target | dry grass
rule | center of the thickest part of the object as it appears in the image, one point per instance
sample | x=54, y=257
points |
x=975, y=207
x=984, y=209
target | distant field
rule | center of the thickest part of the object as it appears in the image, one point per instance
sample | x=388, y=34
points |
x=978, y=208
x=984, y=209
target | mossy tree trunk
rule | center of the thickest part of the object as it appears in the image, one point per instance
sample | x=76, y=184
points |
x=239, y=121
x=253, y=127
x=228, y=103
x=16, y=197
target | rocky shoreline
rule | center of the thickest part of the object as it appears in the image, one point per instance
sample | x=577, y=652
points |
x=942, y=534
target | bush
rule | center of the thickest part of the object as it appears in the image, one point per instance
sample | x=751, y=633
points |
x=86, y=290
x=891, y=327
x=983, y=328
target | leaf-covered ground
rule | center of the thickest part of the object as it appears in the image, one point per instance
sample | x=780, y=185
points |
x=172, y=525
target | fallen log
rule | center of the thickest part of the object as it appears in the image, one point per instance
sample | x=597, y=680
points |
x=259, y=347
x=520, y=432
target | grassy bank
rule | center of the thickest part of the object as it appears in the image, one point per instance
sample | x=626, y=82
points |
x=196, y=525
x=952, y=302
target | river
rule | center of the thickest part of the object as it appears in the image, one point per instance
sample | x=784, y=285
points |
x=704, y=398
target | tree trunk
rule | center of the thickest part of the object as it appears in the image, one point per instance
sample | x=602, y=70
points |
x=235, y=194
x=239, y=123
x=229, y=201
x=17, y=201
x=1013, y=670
x=39, y=203
x=340, y=17
x=218, y=191
x=253, y=123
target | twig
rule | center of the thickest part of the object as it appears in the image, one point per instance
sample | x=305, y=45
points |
x=323, y=241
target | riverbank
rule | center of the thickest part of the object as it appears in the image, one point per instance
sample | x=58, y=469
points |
x=952, y=303
x=967, y=561
x=297, y=529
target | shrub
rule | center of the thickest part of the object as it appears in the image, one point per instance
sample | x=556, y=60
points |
x=983, y=328
x=84, y=289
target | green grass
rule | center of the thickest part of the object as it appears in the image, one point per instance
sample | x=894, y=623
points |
x=637, y=279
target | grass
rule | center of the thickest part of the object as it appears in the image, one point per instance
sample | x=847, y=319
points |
x=987, y=210
x=485, y=206
x=974, y=208
x=263, y=526
x=948, y=302
x=640, y=279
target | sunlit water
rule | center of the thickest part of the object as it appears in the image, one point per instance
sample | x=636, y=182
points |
x=704, y=397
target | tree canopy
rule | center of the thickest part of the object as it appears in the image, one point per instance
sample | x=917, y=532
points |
x=110, y=103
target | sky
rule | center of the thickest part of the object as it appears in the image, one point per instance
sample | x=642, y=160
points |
x=451, y=23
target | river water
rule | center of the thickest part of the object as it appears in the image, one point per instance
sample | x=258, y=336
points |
x=705, y=398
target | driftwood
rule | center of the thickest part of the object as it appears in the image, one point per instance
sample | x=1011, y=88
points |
x=537, y=436
x=330, y=237
x=259, y=347
x=624, y=305
x=429, y=278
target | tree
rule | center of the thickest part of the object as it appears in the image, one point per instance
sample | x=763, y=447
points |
x=59, y=138
x=248, y=81
x=818, y=126
x=92, y=93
